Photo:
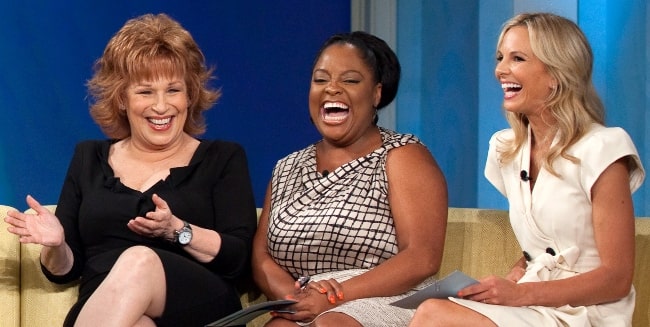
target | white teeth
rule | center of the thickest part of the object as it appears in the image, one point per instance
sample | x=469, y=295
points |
x=329, y=105
x=510, y=85
x=334, y=118
x=335, y=112
x=161, y=121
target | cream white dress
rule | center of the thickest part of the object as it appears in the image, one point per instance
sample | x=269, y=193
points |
x=556, y=229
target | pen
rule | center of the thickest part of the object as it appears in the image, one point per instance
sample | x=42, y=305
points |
x=303, y=281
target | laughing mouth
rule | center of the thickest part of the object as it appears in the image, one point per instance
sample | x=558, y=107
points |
x=510, y=89
x=160, y=123
x=335, y=111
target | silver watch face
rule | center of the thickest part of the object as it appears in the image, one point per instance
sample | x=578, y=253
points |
x=184, y=237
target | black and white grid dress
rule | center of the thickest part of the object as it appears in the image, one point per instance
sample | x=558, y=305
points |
x=339, y=225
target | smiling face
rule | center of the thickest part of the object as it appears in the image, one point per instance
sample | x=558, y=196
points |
x=524, y=79
x=157, y=111
x=343, y=95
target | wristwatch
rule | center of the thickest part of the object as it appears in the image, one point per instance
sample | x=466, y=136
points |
x=184, y=235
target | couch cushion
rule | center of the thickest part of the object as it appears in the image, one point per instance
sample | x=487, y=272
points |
x=479, y=242
x=641, y=273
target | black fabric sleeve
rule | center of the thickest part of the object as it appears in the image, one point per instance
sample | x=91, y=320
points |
x=235, y=214
x=67, y=211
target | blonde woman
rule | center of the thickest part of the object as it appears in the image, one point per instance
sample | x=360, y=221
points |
x=568, y=180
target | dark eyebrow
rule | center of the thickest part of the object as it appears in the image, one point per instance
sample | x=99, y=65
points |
x=345, y=72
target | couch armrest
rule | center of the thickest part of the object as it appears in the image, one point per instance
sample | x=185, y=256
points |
x=43, y=303
x=9, y=275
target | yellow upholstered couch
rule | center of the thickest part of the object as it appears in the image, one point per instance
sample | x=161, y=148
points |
x=479, y=242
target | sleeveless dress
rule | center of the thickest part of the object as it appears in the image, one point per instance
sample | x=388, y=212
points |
x=339, y=225
x=553, y=225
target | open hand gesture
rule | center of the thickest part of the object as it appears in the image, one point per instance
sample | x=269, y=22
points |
x=43, y=227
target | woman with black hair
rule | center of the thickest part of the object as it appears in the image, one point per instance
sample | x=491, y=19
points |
x=362, y=211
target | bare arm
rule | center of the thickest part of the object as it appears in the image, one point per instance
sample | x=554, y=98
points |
x=205, y=244
x=58, y=260
x=418, y=200
x=162, y=223
x=517, y=271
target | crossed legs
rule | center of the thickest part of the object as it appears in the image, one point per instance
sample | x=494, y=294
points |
x=131, y=295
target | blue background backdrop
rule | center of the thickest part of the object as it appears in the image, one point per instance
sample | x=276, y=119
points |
x=262, y=51
x=451, y=99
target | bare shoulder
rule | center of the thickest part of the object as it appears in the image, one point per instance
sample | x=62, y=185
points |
x=412, y=168
x=410, y=156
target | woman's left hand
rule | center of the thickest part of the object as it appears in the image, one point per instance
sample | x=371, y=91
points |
x=493, y=290
x=331, y=288
x=157, y=223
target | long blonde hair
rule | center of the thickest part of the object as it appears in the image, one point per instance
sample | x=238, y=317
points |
x=574, y=103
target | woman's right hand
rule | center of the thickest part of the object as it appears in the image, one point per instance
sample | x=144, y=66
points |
x=43, y=227
x=518, y=270
x=516, y=274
